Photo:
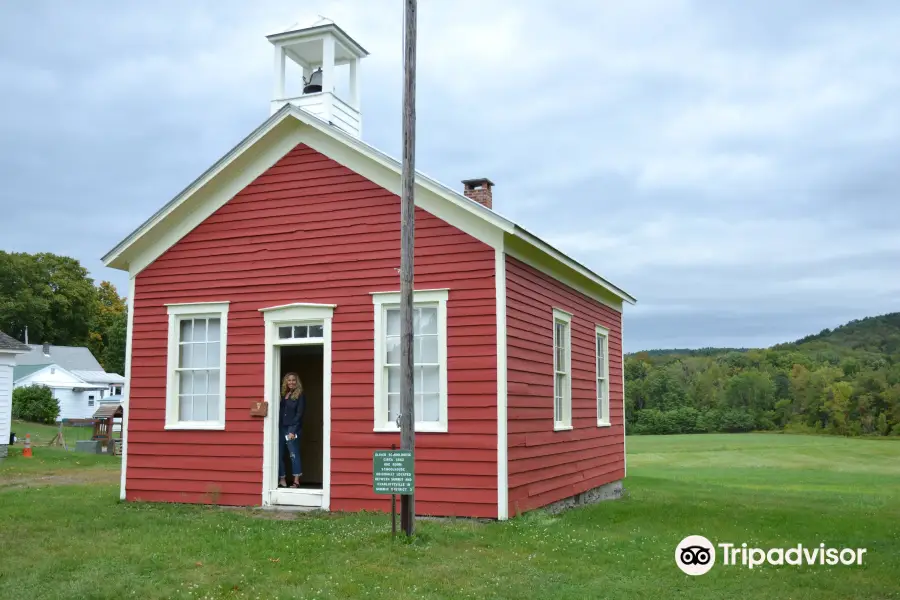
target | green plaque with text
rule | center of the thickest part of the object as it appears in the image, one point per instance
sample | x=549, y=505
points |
x=392, y=472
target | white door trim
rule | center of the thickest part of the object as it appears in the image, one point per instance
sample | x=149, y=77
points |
x=299, y=313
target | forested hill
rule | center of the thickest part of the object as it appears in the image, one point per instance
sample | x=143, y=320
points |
x=873, y=334
x=843, y=381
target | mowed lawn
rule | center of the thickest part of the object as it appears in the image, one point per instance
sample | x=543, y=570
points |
x=66, y=535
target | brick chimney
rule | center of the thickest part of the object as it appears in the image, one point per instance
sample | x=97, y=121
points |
x=46, y=349
x=479, y=190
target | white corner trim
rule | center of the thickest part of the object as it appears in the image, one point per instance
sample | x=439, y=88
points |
x=381, y=301
x=502, y=398
x=127, y=388
x=217, y=310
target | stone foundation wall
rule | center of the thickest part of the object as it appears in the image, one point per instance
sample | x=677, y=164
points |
x=4, y=450
x=609, y=491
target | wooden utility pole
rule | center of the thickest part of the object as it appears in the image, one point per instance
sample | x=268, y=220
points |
x=407, y=244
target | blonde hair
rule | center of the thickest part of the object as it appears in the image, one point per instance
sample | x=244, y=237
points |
x=297, y=390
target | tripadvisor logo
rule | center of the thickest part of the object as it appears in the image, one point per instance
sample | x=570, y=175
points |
x=696, y=555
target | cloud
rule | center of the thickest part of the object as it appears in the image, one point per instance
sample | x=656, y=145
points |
x=731, y=164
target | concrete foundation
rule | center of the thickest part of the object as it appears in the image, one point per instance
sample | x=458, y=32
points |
x=89, y=446
x=609, y=491
x=4, y=451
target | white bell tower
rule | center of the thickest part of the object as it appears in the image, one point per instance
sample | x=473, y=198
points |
x=318, y=50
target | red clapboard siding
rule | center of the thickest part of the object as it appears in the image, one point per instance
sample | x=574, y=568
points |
x=311, y=230
x=546, y=465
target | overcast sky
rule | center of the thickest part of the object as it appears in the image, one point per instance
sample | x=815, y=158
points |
x=734, y=165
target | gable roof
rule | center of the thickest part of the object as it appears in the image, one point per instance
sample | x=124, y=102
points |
x=291, y=126
x=98, y=376
x=21, y=371
x=67, y=357
x=62, y=377
x=11, y=344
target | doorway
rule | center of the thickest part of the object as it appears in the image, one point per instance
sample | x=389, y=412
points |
x=307, y=363
x=298, y=340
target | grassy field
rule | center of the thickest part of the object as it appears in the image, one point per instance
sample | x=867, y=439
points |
x=67, y=536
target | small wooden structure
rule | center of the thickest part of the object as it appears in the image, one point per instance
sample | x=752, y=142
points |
x=103, y=419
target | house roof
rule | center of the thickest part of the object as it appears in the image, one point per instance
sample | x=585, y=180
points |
x=98, y=376
x=20, y=371
x=67, y=357
x=486, y=224
x=11, y=344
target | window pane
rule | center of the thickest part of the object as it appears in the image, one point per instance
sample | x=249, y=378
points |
x=316, y=331
x=393, y=380
x=392, y=347
x=184, y=408
x=185, y=330
x=425, y=321
x=300, y=331
x=426, y=349
x=430, y=408
x=214, y=331
x=212, y=386
x=284, y=333
x=393, y=321
x=393, y=407
x=199, y=404
x=213, y=351
x=212, y=407
x=185, y=382
x=184, y=360
x=199, y=330
x=426, y=380
x=200, y=382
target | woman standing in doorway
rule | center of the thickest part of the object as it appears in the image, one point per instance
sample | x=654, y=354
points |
x=290, y=424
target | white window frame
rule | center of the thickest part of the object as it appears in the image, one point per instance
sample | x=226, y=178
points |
x=603, y=418
x=382, y=302
x=564, y=424
x=194, y=310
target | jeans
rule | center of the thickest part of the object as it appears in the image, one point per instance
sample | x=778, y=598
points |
x=293, y=448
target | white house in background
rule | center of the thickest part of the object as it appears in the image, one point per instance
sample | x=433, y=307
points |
x=10, y=349
x=77, y=380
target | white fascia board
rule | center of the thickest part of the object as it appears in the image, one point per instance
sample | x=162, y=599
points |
x=538, y=243
x=443, y=202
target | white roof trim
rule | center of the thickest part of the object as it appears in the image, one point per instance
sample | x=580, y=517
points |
x=56, y=366
x=490, y=217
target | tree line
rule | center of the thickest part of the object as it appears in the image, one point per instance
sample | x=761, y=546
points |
x=58, y=302
x=845, y=381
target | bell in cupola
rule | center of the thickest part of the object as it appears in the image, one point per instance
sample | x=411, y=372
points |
x=315, y=82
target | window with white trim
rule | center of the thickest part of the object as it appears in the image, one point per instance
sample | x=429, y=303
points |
x=196, y=365
x=602, y=343
x=562, y=370
x=429, y=360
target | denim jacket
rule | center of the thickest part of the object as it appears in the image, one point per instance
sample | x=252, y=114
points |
x=291, y=414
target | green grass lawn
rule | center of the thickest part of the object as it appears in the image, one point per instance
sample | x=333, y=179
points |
x=64, y=538
x=41, y=434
